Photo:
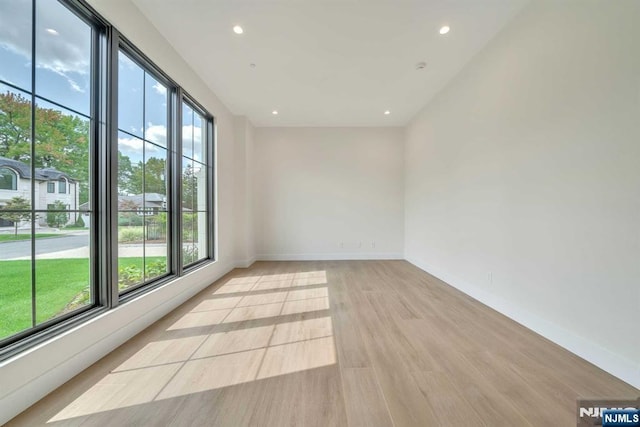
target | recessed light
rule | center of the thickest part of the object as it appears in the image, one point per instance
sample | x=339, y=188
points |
x=238, y=29
x=386, y=113
x=274, y=112
x=52, y=31
x=444, y=30
x=421, y=65
x=252, y=65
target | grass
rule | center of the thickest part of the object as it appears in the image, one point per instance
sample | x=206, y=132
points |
x=58, y=283
x=14, y=237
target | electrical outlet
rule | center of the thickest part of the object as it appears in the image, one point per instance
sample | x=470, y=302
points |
x=373, y=244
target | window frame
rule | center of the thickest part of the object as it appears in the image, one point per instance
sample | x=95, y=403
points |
x=106, y=42
x=210, y=193
x=23, y=340
x=138, y=58
x=62, y=186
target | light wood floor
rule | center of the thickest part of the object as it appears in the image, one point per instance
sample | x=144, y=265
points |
x=335, y=343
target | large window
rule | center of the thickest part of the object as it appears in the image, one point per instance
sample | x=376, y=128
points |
x=102, y=194
x=45, y=119
x=143, y=160
x=194, y=189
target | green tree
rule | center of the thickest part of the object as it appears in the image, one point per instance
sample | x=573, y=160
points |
x=189, y=188
x=155, y=172
x=15, y=210
x=57, y=219
x=125, y=171
x=142, y=177
x=62, y=140
x=15, y=127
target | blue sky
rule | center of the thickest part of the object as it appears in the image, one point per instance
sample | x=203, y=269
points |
x=63, y=53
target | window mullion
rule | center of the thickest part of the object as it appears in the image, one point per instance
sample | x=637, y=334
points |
x=109, y=197
x=176, y=181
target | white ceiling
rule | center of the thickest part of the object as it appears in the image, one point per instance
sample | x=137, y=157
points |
x=327, y=62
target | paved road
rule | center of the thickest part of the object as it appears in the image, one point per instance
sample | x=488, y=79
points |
x=22, y=248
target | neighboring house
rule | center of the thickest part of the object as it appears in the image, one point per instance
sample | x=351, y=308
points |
x=146, y=204
x=143, y=205
x=51, y=185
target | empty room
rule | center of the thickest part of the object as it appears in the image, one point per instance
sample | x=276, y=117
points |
x=320, y=213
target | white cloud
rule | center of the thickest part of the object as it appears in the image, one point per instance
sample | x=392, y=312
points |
x=74, y=85
x=68, y=51
x=156, y=133
x=160, y=89
x=132, y=147
x=187, y=132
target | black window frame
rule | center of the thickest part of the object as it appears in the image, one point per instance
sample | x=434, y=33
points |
x=210, y=182
x=138, y=58
x=106, y=43
x=23, y=340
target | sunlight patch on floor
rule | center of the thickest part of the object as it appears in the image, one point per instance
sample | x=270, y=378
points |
x=269, y=327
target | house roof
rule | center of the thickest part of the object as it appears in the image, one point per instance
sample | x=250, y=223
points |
x=41, y=174
x=151, y=200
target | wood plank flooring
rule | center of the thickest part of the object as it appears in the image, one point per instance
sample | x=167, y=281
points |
x=330, y=343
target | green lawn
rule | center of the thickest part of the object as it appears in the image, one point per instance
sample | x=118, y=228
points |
x=13, y=237
x=58, y=283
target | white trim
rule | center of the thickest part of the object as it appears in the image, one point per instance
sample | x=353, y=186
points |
x=330, y=256
x=603, y=358
x=245, y=263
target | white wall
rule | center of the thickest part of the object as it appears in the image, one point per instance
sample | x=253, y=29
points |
x=328, y=193
x=523, y=179
x=30, y=376
x=243, y=152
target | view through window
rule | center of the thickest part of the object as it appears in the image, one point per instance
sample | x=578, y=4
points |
x=45, y=164
x=195, y=170
x=142, y=175
x=59, y=145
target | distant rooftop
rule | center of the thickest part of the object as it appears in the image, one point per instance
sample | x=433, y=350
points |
x=42, y=174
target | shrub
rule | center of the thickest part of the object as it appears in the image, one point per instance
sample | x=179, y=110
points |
x=132, y=274
x=131, y=234
x=57, y=219
x=155, y=269
x=129, y=275
x=189, y=254
x=129, y=218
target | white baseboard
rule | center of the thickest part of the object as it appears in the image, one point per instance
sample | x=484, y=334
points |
x=245, y=263
x=335, y=256
x=603, y=358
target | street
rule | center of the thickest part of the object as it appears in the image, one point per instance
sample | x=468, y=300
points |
x=22, y=248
